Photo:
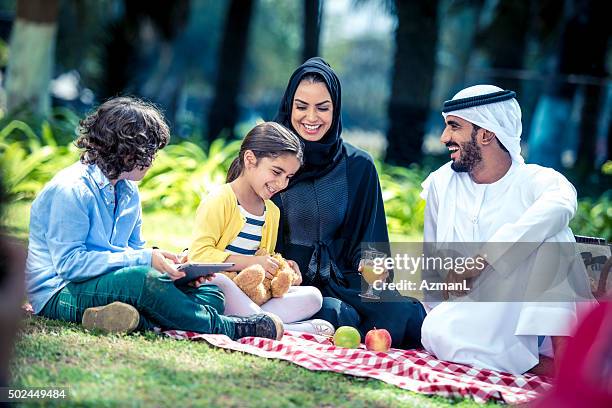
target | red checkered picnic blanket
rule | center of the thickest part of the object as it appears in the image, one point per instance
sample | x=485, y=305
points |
x=414, y=370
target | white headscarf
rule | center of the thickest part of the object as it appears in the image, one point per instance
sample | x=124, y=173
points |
x=502, y=118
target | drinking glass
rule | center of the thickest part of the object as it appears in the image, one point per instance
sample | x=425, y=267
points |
x=369, y=272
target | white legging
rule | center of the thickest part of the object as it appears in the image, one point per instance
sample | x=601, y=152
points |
x=300, y=303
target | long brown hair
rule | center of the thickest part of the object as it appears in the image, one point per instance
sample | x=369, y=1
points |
x=268, y=139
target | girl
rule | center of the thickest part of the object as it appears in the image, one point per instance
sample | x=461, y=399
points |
x=239, y=218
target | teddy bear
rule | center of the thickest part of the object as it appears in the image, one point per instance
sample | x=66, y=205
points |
x=253, y=282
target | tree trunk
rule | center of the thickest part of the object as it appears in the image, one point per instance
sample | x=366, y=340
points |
x=545, y=21
x=312, y=28
x=120, y=57
x=458, y=26
x=609, y=149
x=32, y=52
x=547, y=104
x=414, y=64
x=223, y=113
x=584, y=53
x=124, y=60
x=504, y=42
x=586, y=155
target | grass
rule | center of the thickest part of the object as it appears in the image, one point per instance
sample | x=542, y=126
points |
x=167, y=230
x=150, y=370
x=146, y=369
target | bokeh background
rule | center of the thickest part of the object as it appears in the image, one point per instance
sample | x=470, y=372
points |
x=216, y=67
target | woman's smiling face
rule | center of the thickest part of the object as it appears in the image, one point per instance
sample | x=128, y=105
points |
x=312, y=111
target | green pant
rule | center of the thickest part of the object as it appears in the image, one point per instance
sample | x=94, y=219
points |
x=153, y=294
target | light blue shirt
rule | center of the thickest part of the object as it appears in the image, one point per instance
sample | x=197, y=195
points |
x=81, y=226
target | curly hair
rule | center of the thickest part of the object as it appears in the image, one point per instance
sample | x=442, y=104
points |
x=122, y=134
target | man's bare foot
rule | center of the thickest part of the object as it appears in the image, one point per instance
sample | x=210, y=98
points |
x=546, y=366
x=559, y=344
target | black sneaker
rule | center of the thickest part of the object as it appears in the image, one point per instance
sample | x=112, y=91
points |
x=266, y=325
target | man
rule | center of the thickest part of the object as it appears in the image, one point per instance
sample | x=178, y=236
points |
x=87, y=261
x=489, y=198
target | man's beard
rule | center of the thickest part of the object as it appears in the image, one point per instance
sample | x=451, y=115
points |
x=470, y=156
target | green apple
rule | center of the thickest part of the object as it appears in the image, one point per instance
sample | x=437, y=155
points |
x=347, y=336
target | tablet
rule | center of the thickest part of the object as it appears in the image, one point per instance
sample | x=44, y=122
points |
x=195, y=270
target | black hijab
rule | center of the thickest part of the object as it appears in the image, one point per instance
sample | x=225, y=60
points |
x=321, y=156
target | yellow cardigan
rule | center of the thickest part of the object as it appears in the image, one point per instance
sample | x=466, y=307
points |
x=219, y=221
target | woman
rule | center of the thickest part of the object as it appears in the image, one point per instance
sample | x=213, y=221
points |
x=332, y=206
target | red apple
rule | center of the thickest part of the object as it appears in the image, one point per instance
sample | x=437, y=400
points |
x=378, y=340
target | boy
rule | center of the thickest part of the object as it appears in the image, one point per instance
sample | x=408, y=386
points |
x=87, y=261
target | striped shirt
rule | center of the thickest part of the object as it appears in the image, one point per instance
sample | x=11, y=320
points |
x=249, y=239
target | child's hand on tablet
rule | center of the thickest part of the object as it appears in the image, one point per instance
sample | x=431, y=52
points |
x=182, y=257
x=201, y=280
x=163, y=262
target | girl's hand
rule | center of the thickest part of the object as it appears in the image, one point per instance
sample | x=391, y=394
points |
x=296, y=269
x=269, y=264
x=201, y=280
x=182, y=257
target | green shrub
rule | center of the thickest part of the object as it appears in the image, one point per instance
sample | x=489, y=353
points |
x=594, y=217
x=183, y=172
x=61, y=124
x=27, y=163
x=404, y=207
